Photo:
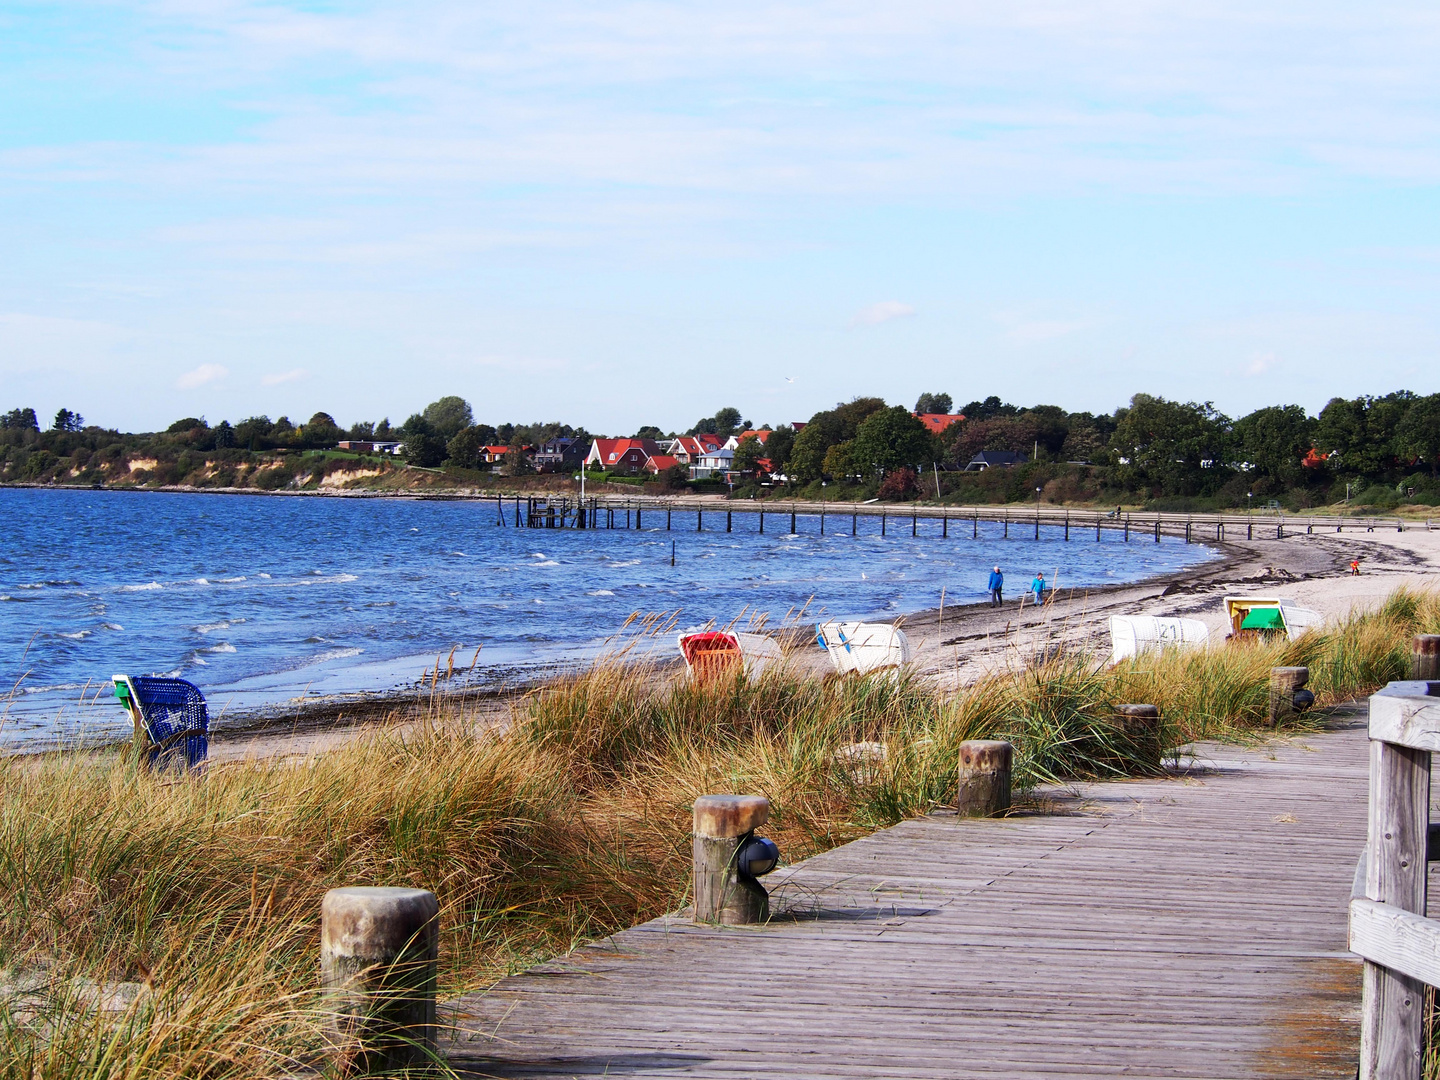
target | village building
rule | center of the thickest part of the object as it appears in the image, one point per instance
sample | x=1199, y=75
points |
x=621, y=455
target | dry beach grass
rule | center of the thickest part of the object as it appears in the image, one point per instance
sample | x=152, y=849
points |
x=154, y=925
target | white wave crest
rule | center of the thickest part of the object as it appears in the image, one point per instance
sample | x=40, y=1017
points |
x=79, y=635
x=151, y=587
x=547, y=562
x=205, y=628
x=600, y=592
x=223, y=647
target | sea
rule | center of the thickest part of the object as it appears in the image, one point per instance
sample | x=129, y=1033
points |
x=266, y=601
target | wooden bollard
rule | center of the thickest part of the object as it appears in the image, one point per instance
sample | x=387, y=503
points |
x=379, y=951
x=1141, y=725
x=722, y=893
x=1284, y=682
x=1425, y=657
x=984, y=789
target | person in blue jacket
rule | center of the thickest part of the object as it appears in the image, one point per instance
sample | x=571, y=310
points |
x=996, y=586
x=1038, y=587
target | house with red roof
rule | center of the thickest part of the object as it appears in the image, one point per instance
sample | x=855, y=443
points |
x=621, y=455
x=938, y=422
x=734, y=441
x=689, y=449
x=658, y=463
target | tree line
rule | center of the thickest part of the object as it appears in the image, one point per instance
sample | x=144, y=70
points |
x=1381, y=450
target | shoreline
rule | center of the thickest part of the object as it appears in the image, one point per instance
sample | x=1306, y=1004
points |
x=955, y=648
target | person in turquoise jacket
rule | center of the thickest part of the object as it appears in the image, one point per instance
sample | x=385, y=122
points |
x=1038, y=587
x=996, y=586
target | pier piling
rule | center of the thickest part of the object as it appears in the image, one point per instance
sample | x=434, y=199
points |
x=984, y=787
x=379, y=951
x=722, y=825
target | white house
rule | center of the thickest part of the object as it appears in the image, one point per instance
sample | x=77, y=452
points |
x=712, y=462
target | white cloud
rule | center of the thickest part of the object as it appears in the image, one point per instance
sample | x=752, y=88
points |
x=280, y=377
x=1260, y=363
x=884, y=311
x=202, y=376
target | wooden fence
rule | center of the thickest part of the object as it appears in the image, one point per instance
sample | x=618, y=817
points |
x=1388, y=924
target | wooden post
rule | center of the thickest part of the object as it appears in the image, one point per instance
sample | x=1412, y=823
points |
x=699, y=520
x=1284, y=681
x=1425, y=657
x=1007, y=524
x=1067, y=525
x=822, y=519
x=853, y=519
x=882, y=522
x=1127, y=528
x=637, y=515
x=379, y=950
x=727, y=520
x=1141, y=724
x=667, y=519
x=914, y=522
x=975, y=526
x=722, y=894
x=762, y=521
x=1392, y=1035
x=792, y=519
x=984, y=788
x=1157, y=528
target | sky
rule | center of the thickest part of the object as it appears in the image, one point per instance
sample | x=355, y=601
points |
x=616, y=214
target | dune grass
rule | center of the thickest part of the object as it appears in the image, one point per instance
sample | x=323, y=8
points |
x=193, y=903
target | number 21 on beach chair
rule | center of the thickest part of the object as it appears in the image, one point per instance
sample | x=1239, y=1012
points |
x=172, y=726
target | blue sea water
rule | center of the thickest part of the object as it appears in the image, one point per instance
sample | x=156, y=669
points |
x=263, y=599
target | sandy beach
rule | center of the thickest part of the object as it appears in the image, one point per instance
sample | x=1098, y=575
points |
x=967, y=643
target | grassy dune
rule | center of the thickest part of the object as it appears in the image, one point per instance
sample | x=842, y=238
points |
x=152, y=925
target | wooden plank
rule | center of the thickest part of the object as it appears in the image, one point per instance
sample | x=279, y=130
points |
x=1397, y=939
x=1156, y=929
x=1405, y=714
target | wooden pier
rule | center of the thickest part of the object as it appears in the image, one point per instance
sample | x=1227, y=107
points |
x=1191, y=927
x=1012, y=521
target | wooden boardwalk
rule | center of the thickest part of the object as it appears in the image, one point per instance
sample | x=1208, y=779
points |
x=1178, y=928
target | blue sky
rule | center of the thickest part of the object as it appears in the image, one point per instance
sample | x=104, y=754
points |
x=638, y=212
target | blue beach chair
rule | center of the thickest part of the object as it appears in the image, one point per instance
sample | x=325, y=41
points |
x=172, y=727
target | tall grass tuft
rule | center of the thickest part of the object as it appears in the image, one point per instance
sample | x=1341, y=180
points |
x=153, y=925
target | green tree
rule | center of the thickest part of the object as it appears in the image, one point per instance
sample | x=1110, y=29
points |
x=778, y=445
x=649, y=431
x=449, y=416
x=806, y=461
x=464, y=449
x=1417, y=436
x=1178, y=447
x=515, y=463
x=933, y=403
x=1360, y=433
x=890, y=438
x=423, y=445
x=725, y=423
x=65, y=420
x=190, y=423
x=224, y=435
x=840, y=460
x=321, y=430
x=1274, y=440
x=20, y=420
x=748, y=453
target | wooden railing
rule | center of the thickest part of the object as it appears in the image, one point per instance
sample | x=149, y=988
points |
x=1388, y=925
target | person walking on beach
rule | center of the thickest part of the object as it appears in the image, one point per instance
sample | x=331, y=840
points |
x=996, y=587
x=1038, y=587
x=1355, y=567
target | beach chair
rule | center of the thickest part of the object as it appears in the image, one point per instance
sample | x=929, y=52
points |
x=710, y=655
x=860, y=648
x=172, y=727
x=714, y=654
